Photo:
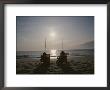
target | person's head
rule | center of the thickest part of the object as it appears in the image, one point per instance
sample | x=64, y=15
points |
x=44, y=53
x=62, y=52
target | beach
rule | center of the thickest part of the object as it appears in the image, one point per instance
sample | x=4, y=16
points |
x=75, y=65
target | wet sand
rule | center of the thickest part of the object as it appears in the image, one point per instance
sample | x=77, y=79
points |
x=75, y=65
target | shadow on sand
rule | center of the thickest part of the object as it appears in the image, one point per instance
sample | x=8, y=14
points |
x=41, y=69
x=67, y=69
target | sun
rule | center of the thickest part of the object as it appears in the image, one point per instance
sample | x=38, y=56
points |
x=53, y=52
x=52, y=34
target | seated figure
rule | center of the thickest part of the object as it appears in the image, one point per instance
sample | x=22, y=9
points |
x=45, y=58
x=62, y=59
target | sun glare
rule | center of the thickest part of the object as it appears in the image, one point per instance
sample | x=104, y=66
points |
x=52, y=34
x=53, y=52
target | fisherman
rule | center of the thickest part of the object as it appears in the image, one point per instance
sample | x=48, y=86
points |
x=45, y=58
x=62, y=58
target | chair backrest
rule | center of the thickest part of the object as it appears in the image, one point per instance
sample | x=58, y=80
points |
x=48, y=55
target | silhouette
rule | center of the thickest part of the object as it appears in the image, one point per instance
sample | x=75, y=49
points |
x=62, y=59
x=43, y=66
x=45, y=58
x=64, y=65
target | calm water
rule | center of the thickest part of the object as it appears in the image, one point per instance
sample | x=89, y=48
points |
x=72, y=53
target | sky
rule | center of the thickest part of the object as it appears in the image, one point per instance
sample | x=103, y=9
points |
x=31, y=32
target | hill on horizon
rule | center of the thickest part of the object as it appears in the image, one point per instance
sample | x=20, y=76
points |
x=86, y=45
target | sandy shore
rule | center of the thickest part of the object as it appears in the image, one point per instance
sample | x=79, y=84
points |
x=76, y=65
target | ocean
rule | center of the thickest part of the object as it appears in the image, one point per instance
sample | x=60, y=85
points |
x=54, y=53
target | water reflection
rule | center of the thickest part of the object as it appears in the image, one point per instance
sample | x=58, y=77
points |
x=53, y=54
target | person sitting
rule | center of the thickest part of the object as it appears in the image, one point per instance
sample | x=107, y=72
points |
x=45, y=58
x=62, y=58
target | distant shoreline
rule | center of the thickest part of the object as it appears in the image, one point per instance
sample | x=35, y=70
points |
x=56, y=49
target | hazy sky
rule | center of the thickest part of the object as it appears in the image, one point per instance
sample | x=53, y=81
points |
x=32, y=31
